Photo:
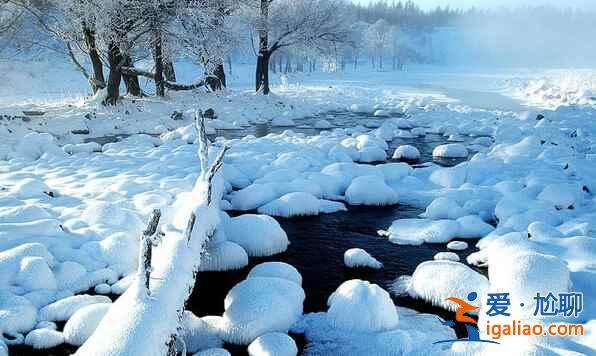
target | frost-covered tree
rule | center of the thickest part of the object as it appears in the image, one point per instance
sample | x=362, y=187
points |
x=285, y=23
x=378, y=38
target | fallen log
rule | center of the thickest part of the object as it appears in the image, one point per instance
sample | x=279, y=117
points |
x=168, y=84
x=145, y=320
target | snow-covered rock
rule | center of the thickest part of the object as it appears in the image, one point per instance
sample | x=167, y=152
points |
x=44, y=338
x=361, y=306
x=273, y=344
x=63, y=309
x=217, y=351
x=300, y=204
x=449, y=256
x=18, y=315
x=259, y=235
x=224, y=256
x=451, y=150
x=444, y=208
x=370, y=190
x=259, y=305
x=457, y=245
x=407, y=152
x=276, y=270
x=357, y=257
x=200, y=333
x=419, y=231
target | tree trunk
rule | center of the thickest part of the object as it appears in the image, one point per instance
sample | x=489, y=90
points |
x=273, y=66
x=355, y=62
x=217, y=79
x=131, y=80
x=288, y=65
x=115, y=76
x=380, y=61
x=300, y=64
x=262, y=72
x=160, y=89
x=97, y=81
x=229, y=60
x=168, y=71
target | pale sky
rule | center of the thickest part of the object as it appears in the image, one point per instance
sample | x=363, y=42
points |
x=464, y=4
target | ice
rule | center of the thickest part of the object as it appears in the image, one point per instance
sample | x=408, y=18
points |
x=449, y=256
x=224, y=256
x=83, y=323
x=260, y=305
x=457, y=245
x=451, y=150
x=361, y=306
x=44, y=338
x=435, y=281
x=370, y=190
x=259, y=235
x=300, y=204
x=63, y=309
x=273, y=344
x=444, y=208
x=419, y=231
x=357, y=257
x=276, y=270
x=406, y=152
x=200, y=333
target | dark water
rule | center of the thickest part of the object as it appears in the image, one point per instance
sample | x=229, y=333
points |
x=317, y=243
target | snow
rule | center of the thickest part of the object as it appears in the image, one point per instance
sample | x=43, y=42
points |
x=360, y=306
x=273, y=344
x=276, y=270
x=282, y=121
x=323, y=124
x=224, y=256
x=444, y=208
x=451, y=150
x=18, y=314
x=259, y=235
x=435, y=281
x=419, y=231
x=449, y=256
x=457, y=245
x=200, y=333
x=44, y=338
x=406, y=152
x=259, y=305
x=63, y=309
x=357, y=257
x=370, y=190
x=83, y=323
x=300, y=204
x=213, y=352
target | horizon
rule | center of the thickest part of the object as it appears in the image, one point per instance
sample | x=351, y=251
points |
x=489, y=4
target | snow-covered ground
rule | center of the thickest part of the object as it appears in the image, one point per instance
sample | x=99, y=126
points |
x=71, y=214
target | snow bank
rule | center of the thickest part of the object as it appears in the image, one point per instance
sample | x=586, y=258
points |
x=273, y=344
x=357, y=257
x=300, y=204
x=259, y=235
x=361, y=306
x=370, y=190
x=259, y=305
x=419, y=231
x=435, y=281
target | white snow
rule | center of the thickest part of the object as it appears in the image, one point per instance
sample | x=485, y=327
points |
x=300, y=204
x=419, y=231
x=451, y=150
x=224, y=256
x=273, y=344
x=44, y=338
x=63, y=309
x=457, y=245
x=259, y=235
x=361, y=306
x=370, y=190
x=357, y=257
x=323, y=124
x=449, y=256
x=200, y=333
x=407, y=152
x=276, y=270
x=259, y=305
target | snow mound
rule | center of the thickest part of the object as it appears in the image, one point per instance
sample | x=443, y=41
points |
x=35, y=274
x=44, y=338
x=63, y=309
x=435, y=281
x=273, y=344
x=444, y=208
x=213, y=352
x=370, y=190
x=407, y=152
x=83, y=323
x=357, y=257
x=449, y=256
x=30, y=188
x=35, y=145
x=361, y=306
x=472, y=226
x=323, y=124
x=300, y=204
x=419, y=231
x=562, y=196
x=200, y=333
x=276, y=270
x=381, y=113
x=260, y=305
x=282, y=121
x=457, y=245
x=259, y=235
x=88, y=147
x=451, y=150
x=224, y=256
x=17, y=314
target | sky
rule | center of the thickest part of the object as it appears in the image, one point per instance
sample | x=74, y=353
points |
x=464, y=4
